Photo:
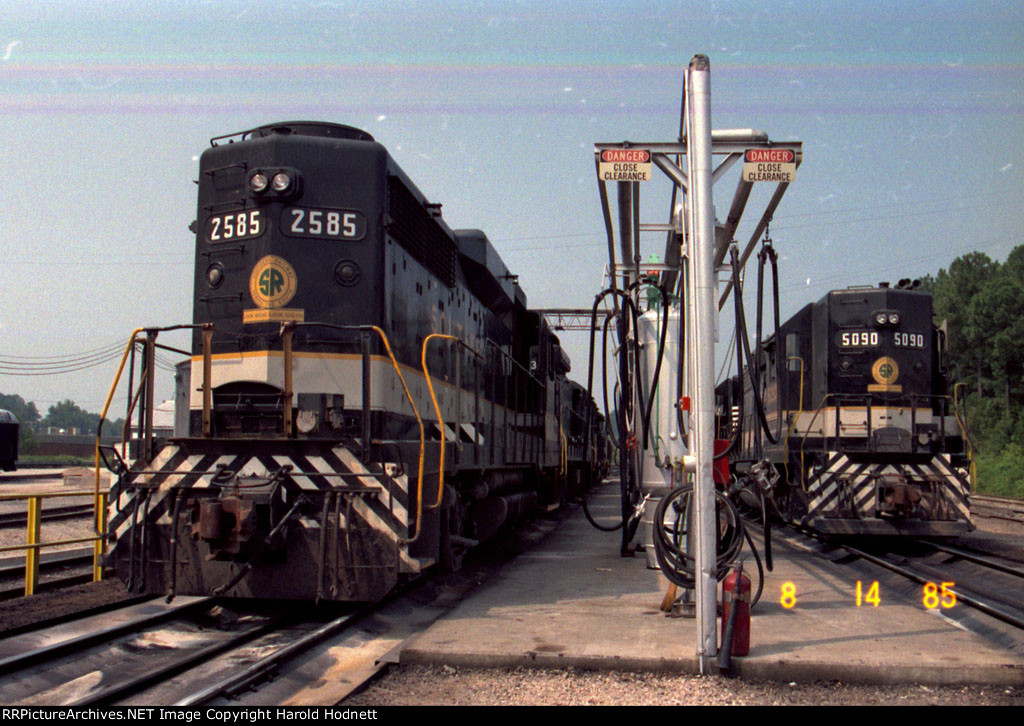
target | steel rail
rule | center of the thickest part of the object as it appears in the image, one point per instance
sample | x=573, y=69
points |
x=12, y=519
x=972, y=557
x=64, y=647
x=155, y=676
x=985, y=607
x=258, y=670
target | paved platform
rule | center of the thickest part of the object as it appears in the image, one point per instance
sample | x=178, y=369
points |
x=573, y=601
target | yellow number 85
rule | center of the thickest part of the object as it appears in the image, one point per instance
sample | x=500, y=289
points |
x=934, y=596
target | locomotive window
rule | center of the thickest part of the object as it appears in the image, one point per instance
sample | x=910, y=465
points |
x=857, y=339
x=235, y=226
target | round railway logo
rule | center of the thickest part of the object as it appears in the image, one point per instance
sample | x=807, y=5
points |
x=885, y=371
x=273, y=282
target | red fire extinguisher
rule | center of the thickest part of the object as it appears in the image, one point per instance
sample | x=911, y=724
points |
x=736, y=613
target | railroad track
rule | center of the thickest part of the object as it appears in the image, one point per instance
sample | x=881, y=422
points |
x=71, y=567
x=982, y=591
x=20, y=519
x=948, y=578
x=951, y=575
x=995, y=507
x=153, y=653
x=92, y=662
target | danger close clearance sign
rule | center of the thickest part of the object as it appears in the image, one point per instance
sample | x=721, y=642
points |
x=625, y=165
x=777, y=165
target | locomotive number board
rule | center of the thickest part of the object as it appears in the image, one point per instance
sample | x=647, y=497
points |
x=235, y=226
x=342, y=224
x=908, y=340
x=858, y=339
x=874, y=338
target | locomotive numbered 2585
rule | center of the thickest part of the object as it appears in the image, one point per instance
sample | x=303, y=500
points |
x=369, y=394
x=859, y=434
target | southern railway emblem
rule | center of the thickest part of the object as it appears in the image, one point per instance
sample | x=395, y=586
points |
x=273, y=282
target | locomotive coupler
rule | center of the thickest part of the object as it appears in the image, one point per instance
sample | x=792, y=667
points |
x=238, y=520
x=897, y=497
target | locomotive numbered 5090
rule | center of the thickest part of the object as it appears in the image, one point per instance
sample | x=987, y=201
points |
x=368, y=393
x=859, y=433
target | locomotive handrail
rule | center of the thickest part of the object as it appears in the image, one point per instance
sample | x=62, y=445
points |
x=564, y=458
x=97, y=571
x=846, y=400
x=437, y=408
x=803, y=439
x=408, y=395
x=33, y=545
x=146, y=435
x=962, y=422
x=800, y=400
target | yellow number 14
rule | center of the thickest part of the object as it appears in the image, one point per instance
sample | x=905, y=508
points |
x=872, y=595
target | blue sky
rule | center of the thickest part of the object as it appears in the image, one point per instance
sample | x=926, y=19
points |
x=910, y=115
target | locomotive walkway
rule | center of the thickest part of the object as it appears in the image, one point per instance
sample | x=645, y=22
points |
x=572, y=601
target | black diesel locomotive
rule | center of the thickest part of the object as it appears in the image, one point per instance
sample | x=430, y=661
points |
x=852, y=430
x=8, y=440
x=369, y=394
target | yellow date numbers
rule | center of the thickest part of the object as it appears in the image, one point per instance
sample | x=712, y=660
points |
x=939, y=595
x=872, y=596
x=934, y=595
x=788, y=597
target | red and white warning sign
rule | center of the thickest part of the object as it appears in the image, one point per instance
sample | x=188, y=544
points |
x=625, y=165
x=777, y=165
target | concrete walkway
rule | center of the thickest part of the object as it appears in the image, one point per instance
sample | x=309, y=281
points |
x=573, y=601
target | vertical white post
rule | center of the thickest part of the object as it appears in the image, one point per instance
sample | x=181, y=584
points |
x=699, y=155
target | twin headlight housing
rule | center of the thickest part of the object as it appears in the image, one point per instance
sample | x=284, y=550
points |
x=275, y=183
x=886, y=317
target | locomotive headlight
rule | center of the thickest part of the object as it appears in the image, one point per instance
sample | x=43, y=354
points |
x=258, y=182
x=280, y=182
x=894, y=318
x=215, y=275
x=880, y=318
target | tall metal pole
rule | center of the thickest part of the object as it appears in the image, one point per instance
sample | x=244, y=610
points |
x=699, y=153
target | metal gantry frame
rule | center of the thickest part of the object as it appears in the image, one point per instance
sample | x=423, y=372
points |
x=694, y=236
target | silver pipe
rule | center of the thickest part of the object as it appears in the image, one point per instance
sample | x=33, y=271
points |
x=699, y=152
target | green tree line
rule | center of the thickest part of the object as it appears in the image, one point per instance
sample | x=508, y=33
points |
x=65, y=415
x=982, y=303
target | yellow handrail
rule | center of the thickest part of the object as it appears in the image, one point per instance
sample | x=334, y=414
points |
x=800, y=404
x=437, y=410
x=423, y=436
x=972, y=466
x=33, y=544
x=564, y=458
x=100, y=518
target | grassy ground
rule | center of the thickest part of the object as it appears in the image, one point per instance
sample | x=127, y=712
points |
x=53, y=462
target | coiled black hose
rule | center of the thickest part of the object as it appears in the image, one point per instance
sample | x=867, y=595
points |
x=669, y=539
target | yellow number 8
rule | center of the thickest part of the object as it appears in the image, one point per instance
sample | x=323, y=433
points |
x=788, y=598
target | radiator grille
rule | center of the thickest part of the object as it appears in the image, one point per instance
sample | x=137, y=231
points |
x=419, y=233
